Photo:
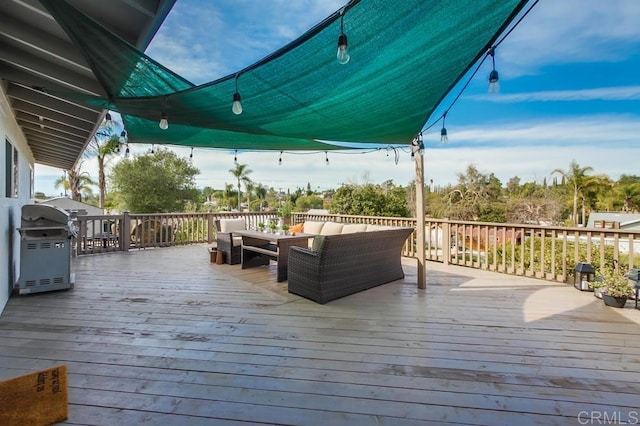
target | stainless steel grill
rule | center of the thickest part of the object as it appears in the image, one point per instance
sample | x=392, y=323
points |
x=45, y=249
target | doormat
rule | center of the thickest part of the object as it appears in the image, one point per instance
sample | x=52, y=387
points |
x=35, y=399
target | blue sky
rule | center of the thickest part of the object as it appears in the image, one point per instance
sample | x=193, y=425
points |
x=569, y=89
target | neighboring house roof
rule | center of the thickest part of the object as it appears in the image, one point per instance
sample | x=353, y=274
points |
x=622, y=219
x=69, y=204
x=36, y=53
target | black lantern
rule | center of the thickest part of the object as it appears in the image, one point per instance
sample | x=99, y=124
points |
x=584, y=276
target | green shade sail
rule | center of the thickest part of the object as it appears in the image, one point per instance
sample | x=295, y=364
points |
x=406, y=55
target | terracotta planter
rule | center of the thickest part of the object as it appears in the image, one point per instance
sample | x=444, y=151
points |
x=616, y=302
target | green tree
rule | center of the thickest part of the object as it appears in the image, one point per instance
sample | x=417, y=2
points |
x=160, y=182
x=241, y=173
x=477, y=196
x=628, y=190
x=578, y=180
x=371, y=200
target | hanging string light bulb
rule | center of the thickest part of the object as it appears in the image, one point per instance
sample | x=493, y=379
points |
x=164, y=123
x=280, y=159
x=236, y=107
x=153, y=150
x=326, y=158
x=235, y=157
x=494, y=78
x=108, y=121
x=443, y=133
x=127, y=152
x=342, y=55
x=191, y=155
x=123, y=137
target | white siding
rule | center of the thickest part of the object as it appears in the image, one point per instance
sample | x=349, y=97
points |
x=10, y=207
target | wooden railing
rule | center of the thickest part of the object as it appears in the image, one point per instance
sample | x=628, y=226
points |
x=99, y=234
x=545, y=252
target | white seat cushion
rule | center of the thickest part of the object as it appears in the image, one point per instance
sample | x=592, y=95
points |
x=230, y=225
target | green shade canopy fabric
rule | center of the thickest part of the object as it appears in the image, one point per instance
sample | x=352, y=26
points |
x=406, y=55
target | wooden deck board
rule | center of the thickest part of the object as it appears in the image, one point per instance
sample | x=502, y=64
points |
x=163, y=336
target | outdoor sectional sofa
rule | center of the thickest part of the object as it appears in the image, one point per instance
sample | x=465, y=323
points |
x=345, y=259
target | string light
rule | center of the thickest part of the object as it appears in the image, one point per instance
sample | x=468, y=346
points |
x=494, y=78
x=153, y=151
x=123, y=137
x=280, y=159
x=235, y=157
x=108, y=120
x=342, y=55
x=126, y=152
x=326, y=158
x=236, y=107
x=164, y=123
x=443, y=133
x=191, y=155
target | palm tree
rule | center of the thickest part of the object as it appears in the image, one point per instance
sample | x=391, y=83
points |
x=103, y=146
x=76, y=182
x=249, y=186
x=241, y=173
x=578, y=179
x=261, y=193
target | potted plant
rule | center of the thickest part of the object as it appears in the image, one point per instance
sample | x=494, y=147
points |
x=261, y=226
x=273, y=226
x=285, y=229
x=616, y=288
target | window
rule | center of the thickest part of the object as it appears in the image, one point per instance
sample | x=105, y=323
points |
x=11, y=170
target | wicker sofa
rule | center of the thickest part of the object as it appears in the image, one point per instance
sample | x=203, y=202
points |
x=345, y=261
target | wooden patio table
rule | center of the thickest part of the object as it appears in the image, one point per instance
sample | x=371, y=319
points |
x=259, y=247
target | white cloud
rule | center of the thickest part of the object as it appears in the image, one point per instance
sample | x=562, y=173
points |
x=569, y=31
x=625, y=93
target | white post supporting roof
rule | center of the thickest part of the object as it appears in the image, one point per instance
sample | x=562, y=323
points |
x=420, y=231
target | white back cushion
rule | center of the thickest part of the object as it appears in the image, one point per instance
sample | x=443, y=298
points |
x=331, y=228
x=230, y=225
x=312, y=227
x=350, y=228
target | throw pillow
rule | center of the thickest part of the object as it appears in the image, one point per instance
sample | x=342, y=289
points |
x=296, y=228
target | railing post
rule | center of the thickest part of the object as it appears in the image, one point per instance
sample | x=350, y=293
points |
x=125, y=231
x=446, y=242
x=209, y=227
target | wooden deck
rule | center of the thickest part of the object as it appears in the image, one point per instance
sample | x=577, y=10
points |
x=163, y=337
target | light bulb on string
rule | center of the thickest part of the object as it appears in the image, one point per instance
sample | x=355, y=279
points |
x=235, y=157
x=280, y=159
x=153, y=151
x=164, y=123
x=494, y=77
x=123, y=137
x=326, y=158
x=342, y=55
x=443, y=133
x=236, y=107
x=191, y=155
x=108, y=121
x=127, y=152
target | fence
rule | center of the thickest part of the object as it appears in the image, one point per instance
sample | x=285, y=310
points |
x=545, y=252
x=100, y=234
